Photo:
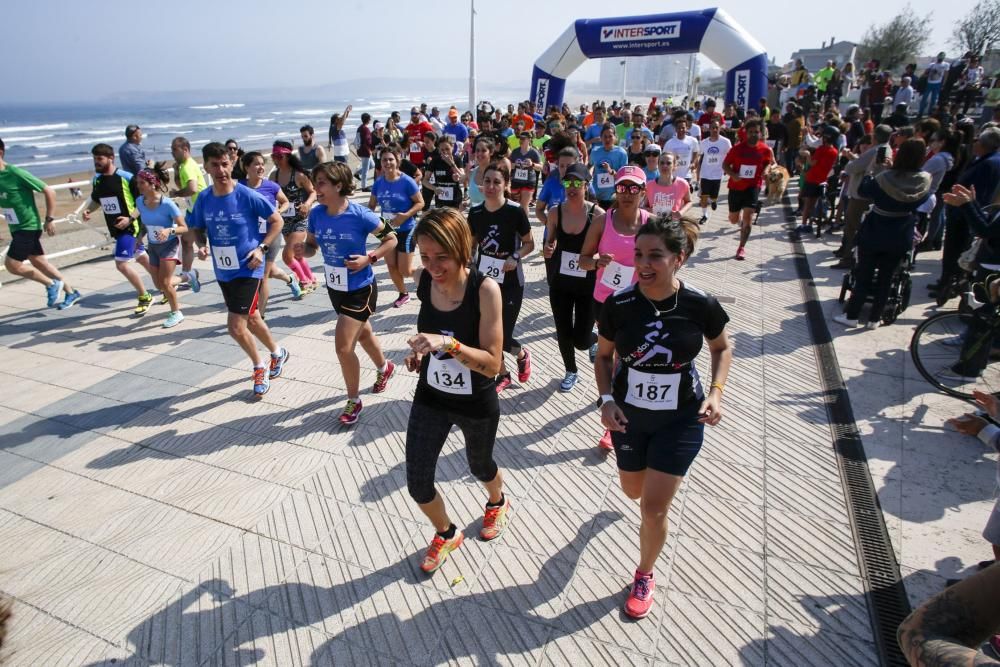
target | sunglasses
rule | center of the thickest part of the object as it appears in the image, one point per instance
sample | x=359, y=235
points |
x=573, y=183
x=632, y=189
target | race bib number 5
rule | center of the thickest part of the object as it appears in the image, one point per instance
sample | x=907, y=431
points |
x=617, y=276
x=492, y=267
x=449, y=376
x=652, y=391
x=225, y=257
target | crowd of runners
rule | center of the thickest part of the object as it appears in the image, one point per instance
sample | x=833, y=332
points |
x=612, y=197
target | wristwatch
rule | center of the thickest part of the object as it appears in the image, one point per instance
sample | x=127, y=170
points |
x=372, y=258
x=605, y=398
x=516, y=256
x=264, y=248
x=49, y=218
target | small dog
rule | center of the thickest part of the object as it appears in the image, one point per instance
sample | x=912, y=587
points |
x=777, y=182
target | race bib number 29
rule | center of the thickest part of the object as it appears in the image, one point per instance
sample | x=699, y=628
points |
x=492, y=268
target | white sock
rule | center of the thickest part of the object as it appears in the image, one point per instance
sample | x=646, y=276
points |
x=276, y=353
x=704, y=211
x=385, y=367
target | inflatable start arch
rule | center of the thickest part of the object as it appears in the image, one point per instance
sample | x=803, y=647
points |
x=709, y=31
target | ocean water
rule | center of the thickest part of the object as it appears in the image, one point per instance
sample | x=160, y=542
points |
x=53, y=140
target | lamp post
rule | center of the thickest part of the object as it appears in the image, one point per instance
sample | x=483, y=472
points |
x=624, y=78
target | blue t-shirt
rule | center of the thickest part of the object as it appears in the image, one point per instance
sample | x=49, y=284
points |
x=651, y=174
x=339, y=237
x=161, y=217
x=553, y=193
x=231, y=224
x=593, y=132
x=267, y=189
x=616, y=157
x=459, y=131
x=645, y=130
x=396, y=197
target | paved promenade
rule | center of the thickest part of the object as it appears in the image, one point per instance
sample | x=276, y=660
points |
x=152, y=513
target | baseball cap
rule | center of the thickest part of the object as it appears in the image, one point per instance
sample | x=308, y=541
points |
x=578, y=171
x=453, y=113
x=630, y=172
x=129, y=129
x=414, y=111
x=652, y=149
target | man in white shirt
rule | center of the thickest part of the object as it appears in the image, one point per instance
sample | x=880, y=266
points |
x=713, y=150
x=686, y=148
x=936, y=73
x=904, y=94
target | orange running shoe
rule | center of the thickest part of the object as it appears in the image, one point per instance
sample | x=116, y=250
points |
x=495, y=520
x=438, y=552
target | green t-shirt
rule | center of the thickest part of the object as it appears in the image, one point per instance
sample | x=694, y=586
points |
x=17, y=200
x=189, y=171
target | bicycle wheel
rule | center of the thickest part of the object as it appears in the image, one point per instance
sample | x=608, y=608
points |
x=936, y=347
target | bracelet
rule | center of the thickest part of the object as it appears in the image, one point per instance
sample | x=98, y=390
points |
x=452, y=346
x=717, y=385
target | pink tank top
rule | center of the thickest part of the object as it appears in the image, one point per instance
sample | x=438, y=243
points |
x=621, y=271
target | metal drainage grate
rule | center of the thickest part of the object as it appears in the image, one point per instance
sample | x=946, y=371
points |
x=887, y=599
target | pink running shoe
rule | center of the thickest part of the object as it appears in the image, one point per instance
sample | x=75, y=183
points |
x=503, y=382
x=640, y=598
x=524, y=367
x=741, y=253
x=382, y=379
x=605, y=442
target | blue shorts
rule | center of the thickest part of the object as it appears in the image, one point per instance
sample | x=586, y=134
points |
x=404, y=240
x=667, y=442
x=127, y=248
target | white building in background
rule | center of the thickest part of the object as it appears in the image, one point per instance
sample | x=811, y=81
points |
x=652, y=75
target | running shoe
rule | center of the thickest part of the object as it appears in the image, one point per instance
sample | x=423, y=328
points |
x=401, y=301
x=568, y=382
x=524, y=367
x=605, y=441
x=295, y=287
x=503, y=382
x=52, y=293
x=872, y=324
x=804, y=229
x=70, y=299
x=593, y=353
x=145, y=301
x=715, y=205
x=741, y=253
x=640, y=598
x=173, y=319
x=261, y=381
x=351, y=412
x=437, y=552
x=957, y=373
x=495, y=520
x=382, y=379
x=194, y=280
x=702, y=220
x=278, y=363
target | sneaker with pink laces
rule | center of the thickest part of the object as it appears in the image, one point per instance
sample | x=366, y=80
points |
x=741, y=253
x=640, y=598
x=605, y=441
x=382, y=379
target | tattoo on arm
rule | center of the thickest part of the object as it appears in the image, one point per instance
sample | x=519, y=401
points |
x=944, y=634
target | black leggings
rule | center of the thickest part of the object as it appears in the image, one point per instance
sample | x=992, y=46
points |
x=572, y=333
x=425, y=436
x=511, y=298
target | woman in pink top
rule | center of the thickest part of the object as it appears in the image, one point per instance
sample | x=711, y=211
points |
x=668, y=194
x=610, y=248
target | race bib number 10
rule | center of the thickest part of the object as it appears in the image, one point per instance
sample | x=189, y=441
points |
x=225, y=257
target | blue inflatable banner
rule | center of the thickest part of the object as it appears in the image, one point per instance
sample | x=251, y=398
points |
x=709, y=31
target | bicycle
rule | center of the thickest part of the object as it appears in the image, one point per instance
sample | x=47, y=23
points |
x=942, y=342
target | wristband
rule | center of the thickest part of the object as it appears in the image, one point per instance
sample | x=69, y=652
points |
x=49, y=219
x=717, y=385
x=372, y=258
x=605, y=399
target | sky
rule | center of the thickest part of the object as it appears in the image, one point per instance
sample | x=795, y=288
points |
x=85, y=50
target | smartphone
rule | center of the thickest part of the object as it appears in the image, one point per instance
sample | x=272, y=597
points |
x=880, y=155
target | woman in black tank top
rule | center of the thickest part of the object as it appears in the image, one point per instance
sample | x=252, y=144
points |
x=458, y=352
x=295, y=183
x=571, y=288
